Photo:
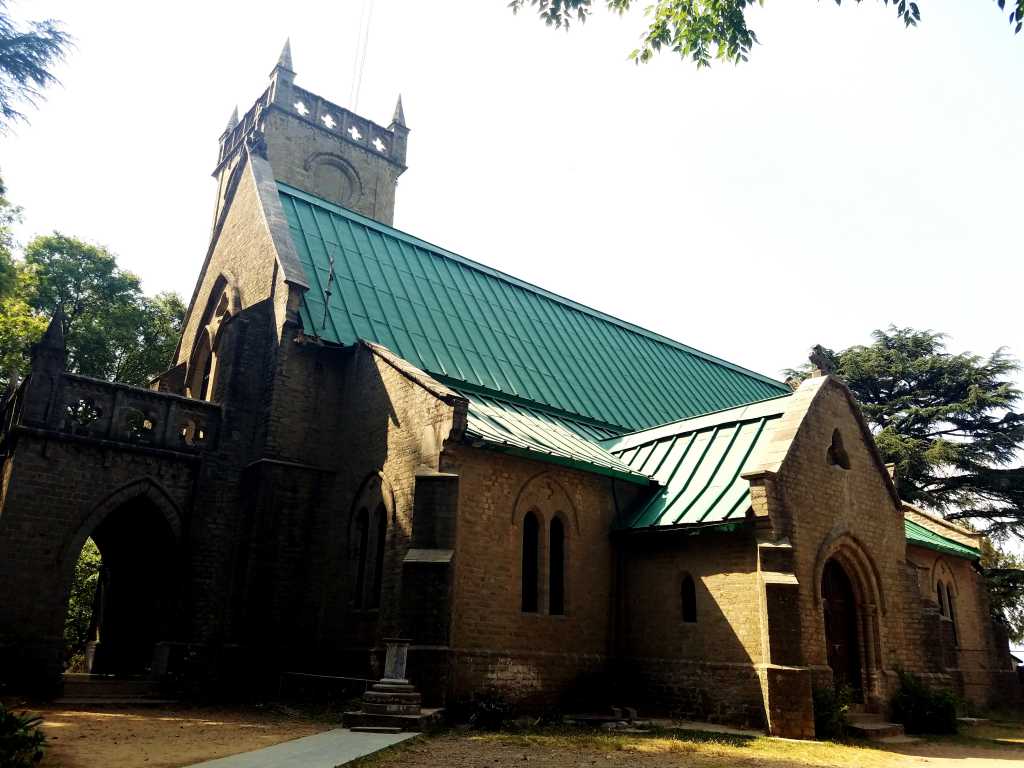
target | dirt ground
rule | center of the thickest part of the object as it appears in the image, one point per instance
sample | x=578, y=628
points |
x=163, y=738
x=126, y=738
x=689, y=750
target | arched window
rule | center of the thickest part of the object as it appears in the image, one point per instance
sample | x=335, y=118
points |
x=378, y=568
x=688, y=599
x=201, y=368
x=531, y=561
x=940, y=595
x=556, y=570
x=362, y=535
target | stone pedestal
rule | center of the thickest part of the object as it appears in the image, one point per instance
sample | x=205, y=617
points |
x=393, y=703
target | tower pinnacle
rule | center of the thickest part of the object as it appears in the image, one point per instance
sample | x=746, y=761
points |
x=284, y=61
x=399, y=117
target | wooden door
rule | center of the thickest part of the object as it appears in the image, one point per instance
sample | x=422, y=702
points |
x=841, y=634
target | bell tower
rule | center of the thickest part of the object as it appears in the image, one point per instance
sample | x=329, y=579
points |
x=317, y=146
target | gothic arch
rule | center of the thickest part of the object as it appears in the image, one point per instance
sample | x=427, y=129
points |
x=847, y=549
x=144, y=488
x=942, y=572
x=375, y=488
x=544, y=495
x=224, y=288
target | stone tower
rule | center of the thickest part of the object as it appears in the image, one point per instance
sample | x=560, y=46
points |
x=317, y=146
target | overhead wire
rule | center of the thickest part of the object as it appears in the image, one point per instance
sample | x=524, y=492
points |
x=362, y=45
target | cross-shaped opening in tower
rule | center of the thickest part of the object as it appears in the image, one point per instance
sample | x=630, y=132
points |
x=301, y=108
x=354, y=133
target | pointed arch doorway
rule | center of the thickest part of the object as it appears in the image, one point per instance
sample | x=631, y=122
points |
x=137, y=594
x=842, y=638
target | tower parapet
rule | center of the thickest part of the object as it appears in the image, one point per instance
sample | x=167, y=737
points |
x=320, y=147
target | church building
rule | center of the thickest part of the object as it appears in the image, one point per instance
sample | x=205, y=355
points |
x=363, y=436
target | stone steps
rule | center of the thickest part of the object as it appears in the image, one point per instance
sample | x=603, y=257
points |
x=407, y=723
x=871, y=726
x=90, y=690
x=99, y=701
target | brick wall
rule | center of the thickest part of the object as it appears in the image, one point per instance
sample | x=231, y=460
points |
x=707, y=669
x=828, y=511
x=529, y=656
x=54, y=499
x=980, y=666
x=321, y=163
x=242, y=259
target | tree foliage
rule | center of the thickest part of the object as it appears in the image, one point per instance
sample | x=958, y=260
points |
x=28, y=54
x=9, y=216
x=112, y=330
x=702, y=29
x=950, y=423
x=1004, y=576
x=81, y=600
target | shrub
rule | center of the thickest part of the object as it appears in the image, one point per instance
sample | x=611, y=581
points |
x=486, y=710
x=830, y=708
x=21, y=741
x=922, y=709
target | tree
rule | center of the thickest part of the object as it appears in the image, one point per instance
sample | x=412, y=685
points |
x=27, y=56
x=19, y=329
x=700, y=29
x=1004, y=577
x=111, y=329
x=948, y=421
x=9, y=216
x=81, y=600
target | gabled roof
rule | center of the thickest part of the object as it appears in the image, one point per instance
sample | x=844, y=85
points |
x=465, y=323
x=699, y=462
x=922, y=537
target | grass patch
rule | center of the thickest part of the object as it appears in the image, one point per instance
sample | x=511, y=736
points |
x=993, y=734
x=698, y=748
x=561, y=746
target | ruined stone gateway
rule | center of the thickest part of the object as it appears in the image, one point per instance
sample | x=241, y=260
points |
x=365, y=436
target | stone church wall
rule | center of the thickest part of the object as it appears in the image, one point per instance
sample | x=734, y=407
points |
x=829, y=511
x=980, y=668
x=706, y=669
x=243, y=253
x=57, y=488
x=348, y=430
x=532, y=658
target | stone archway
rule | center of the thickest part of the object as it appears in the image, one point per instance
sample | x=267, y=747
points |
x=858, y=605
x=137, y=531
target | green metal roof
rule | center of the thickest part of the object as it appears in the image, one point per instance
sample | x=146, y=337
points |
x=464, y=322
x=540, y=434
x=698, y=463
x=923, y=537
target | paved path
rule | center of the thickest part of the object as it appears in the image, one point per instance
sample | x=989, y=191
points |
x=323, y=750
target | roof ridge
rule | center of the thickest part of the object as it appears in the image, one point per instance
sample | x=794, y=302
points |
x=698, y=416
x=465, y=261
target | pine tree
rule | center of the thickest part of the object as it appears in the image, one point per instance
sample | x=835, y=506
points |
x=27, y=56
x=950, y=422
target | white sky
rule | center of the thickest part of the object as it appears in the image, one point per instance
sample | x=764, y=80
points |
x=853, y=174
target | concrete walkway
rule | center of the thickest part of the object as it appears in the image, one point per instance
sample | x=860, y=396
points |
x=323, y=750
